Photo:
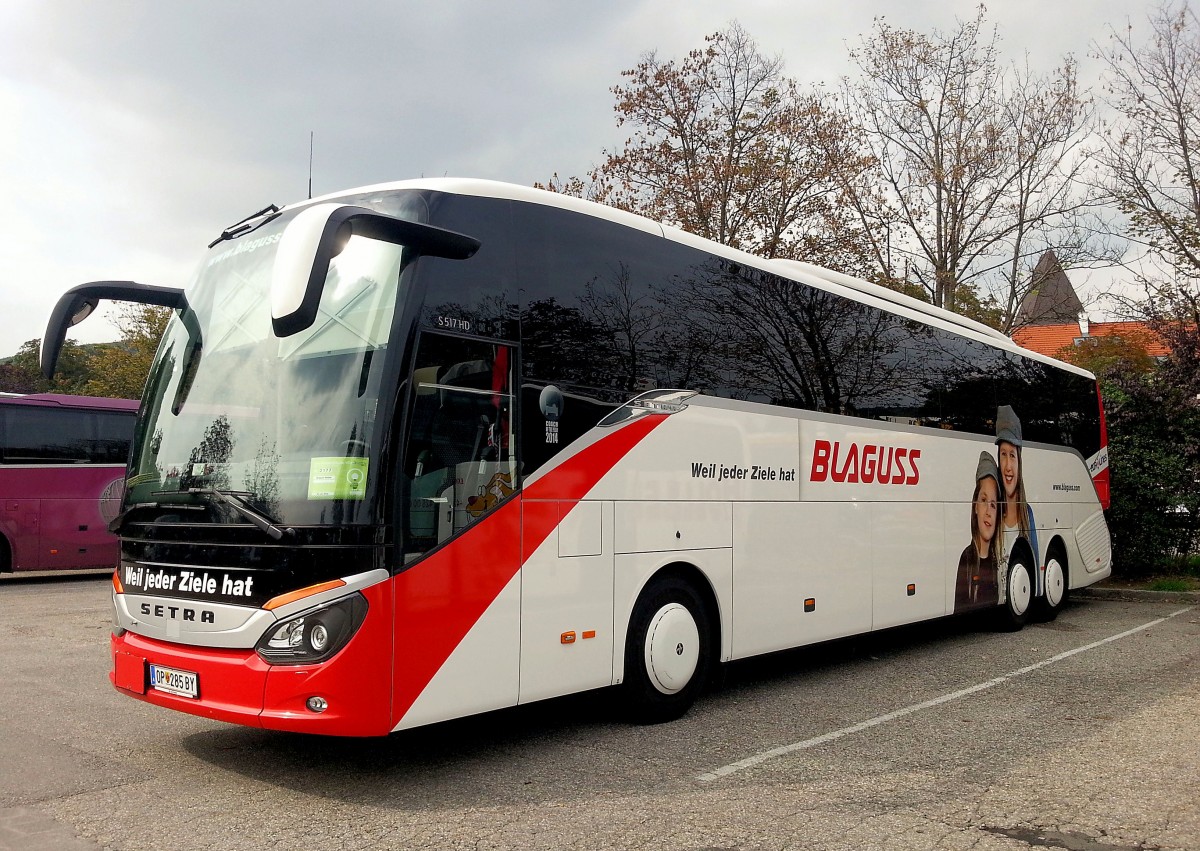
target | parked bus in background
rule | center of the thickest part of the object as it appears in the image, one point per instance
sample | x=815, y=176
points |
x=62, y=473
x=438, y=447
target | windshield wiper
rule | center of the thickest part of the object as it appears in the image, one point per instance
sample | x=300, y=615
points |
x=242, y=506
x=246, y=224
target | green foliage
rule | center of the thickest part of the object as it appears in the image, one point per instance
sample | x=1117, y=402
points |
x=1173, y=583
x=1154, y=459
x=22, y=373
x=1109, y=356
x=119, y=370
x=116, y=370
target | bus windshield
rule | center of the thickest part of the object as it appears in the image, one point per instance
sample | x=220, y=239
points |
x=237, y=421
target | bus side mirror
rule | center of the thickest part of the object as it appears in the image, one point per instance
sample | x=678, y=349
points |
x=77, y=304
x=318, y=234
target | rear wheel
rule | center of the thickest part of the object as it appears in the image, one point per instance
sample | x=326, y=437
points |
x=1057, y=586
x=1019, y=593
x=5, y=555
x=668, y=651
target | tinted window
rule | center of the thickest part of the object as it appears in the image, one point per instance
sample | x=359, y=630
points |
x=460, y=454
x=607, y=312
x=478, y=295
x=63, y=436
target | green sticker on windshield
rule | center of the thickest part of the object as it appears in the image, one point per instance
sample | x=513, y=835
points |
x=337, y=478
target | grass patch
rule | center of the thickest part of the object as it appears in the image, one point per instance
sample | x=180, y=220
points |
x=1172, y=583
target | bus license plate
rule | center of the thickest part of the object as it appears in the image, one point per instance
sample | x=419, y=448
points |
x=183, y=683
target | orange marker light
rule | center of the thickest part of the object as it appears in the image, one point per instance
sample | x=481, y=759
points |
x=567, y=637
x=590, y=633
x=117, y=586
x=293, y=596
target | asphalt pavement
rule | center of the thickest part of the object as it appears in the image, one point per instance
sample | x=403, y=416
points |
x=1077, y=734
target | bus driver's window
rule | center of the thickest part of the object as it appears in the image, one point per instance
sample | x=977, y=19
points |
x=460, y=455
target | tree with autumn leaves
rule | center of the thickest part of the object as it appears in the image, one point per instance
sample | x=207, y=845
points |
x=116, y=370
x=939, y=171
x=725, y=146
x=1150, y=168
x=945, y=172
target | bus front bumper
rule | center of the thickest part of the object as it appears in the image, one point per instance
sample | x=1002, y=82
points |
x=237, y=686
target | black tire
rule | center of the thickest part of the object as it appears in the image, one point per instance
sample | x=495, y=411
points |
x=668, y=652
x=1019, y=587
x=1057, y=587
x=5, y=556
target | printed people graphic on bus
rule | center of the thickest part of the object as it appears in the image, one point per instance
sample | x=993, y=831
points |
x=977, y=584
x=1016, y=515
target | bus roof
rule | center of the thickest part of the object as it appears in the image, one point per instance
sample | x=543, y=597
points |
x=63, y=400
x=806, y=273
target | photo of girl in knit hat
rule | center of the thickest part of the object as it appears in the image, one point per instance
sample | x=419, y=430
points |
x=977, y=584
x=1016, y=515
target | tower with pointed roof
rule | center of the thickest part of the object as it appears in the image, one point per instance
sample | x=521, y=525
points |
x=1051, y=299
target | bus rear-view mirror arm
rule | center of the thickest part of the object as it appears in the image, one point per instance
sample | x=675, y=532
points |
x=77, y=304
x=319, y=233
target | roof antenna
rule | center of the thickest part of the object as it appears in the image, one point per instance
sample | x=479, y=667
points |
x=310, y=152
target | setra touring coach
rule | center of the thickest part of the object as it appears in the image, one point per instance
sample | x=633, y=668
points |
x=436, y=447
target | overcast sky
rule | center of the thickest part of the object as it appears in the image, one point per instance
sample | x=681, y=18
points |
x=133, y=132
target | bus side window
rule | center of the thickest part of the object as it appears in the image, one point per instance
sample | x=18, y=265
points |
x=459, y=457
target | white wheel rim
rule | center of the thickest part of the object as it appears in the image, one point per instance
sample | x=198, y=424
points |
x=1055, y=583
x=672, y=648
x=1018, y=589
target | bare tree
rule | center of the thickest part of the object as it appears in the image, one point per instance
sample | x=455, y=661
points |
x=1152, y=158
x=981, y=164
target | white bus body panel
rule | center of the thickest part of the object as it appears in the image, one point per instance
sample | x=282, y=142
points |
x=775, y=507
x=567, y=605
x=786, y=553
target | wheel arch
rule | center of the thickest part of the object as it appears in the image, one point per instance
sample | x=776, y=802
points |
x=686, y=570
x=1022, y=547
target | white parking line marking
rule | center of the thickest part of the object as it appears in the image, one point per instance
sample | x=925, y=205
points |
x=783, y=750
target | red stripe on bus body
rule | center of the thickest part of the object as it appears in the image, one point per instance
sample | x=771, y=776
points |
x=441, y=598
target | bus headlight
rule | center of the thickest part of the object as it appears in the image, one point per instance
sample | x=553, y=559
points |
x=315, y=635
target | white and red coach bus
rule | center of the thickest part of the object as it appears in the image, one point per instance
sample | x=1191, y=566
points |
x=432, y=448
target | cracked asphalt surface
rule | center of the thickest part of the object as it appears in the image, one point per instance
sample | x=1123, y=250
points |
x=1094, y=751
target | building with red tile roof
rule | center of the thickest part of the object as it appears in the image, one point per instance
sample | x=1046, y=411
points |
x=1051, y=317
x=1052, y=339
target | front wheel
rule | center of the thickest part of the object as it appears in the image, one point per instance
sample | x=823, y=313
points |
x=1014, y=611
x=668, y=652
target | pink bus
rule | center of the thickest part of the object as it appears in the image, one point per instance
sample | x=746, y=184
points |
x=62, y=473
